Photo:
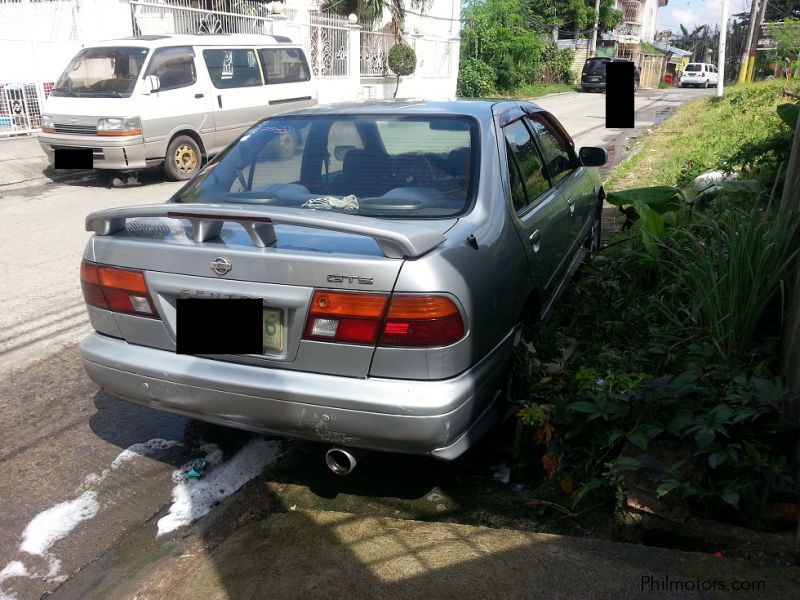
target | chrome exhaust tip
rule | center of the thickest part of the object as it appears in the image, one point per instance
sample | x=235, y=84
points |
x=340, y=461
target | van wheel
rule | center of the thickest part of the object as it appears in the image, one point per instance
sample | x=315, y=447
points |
x=183, y=158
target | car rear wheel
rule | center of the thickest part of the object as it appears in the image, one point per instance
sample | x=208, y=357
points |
x=183, y=158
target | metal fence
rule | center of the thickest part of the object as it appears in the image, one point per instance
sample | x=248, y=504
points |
x=330, y=45
x=20, y=107
x=179, y=16
x=375, y=47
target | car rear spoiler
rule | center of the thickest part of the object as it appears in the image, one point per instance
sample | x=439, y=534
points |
x=396, y=240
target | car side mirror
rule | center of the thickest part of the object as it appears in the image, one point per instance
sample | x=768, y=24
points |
x=593, y=157
x=153, y=83
x=340, y=151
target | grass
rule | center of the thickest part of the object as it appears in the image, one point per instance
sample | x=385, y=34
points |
x=701, y=135
x=537, y=90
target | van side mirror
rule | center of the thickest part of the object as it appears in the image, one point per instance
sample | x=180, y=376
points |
x=153, y=83
x=593, y=157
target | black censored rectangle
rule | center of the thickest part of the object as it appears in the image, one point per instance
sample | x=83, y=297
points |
x=619, y=94
x=73, y=158
x=219, y=326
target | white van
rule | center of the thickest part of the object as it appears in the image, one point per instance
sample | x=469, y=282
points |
x=699, y=75
x=174, y=100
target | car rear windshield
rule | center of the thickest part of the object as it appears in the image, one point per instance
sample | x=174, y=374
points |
x=105, y=71
x=380, y=166
x=595, y=66
x=694, y=67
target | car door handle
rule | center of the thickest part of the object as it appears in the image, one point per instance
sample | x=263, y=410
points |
x=535, y=239
x=571, y=205
x=199, y=95
x=219, y=100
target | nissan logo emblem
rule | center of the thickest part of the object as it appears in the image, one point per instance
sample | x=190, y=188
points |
x=221, y=266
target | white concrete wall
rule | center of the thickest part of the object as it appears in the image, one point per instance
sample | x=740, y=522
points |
x=41, y=37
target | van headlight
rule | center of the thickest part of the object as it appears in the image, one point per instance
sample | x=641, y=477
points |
x=112, y=126
x=47, y=124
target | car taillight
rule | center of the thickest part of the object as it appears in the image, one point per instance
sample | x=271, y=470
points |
x=345, y=317
x=409, y=321
x=119, y=290
x=422, y=321
x=702, y=74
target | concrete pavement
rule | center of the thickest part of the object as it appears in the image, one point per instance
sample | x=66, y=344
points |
x=290, y=554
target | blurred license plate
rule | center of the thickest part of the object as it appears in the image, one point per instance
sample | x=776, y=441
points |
x=273, y=330
x=594, y=79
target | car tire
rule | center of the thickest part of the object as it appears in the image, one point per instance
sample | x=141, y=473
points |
x=183, y=159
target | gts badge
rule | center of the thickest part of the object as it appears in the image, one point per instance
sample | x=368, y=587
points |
x=350, y=279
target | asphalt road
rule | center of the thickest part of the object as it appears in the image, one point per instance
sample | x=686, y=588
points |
x=62, y=443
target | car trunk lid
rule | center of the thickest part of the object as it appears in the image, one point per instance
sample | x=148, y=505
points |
x=279, y=255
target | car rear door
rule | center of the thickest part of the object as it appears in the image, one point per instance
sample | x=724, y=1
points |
x=540, y=215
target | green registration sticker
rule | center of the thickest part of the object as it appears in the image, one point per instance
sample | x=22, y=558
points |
x=273, y=330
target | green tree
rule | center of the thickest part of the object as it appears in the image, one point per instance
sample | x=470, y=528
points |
x=574, y=16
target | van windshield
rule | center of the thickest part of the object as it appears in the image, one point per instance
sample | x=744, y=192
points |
x=101, y=72
x=381, y=166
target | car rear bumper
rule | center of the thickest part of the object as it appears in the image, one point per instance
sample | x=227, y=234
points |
x=441, y=418
x=594, y=85
x=107, y=153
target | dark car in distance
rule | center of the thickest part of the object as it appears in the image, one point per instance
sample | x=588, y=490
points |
x=593, y=76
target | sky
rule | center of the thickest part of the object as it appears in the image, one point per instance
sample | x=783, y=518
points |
x=692, y=13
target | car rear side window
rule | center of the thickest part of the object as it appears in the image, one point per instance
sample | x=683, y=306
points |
x=233, y=68
x=174, y=67
x=527, y=177
x=284, y=65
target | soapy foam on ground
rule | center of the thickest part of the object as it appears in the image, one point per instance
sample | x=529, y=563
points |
x=194, y=498
x=55, y=523
x=58, y=521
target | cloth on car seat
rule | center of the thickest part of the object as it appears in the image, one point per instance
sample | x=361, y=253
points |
x=362, y=174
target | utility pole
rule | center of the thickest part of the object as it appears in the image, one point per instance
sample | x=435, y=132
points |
x=754, y=40
x=593, y=47
x=723, y=36
x=744, y=61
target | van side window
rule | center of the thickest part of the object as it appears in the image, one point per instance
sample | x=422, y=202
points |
x=174, y=67
x=284, y=65
x=233, y=68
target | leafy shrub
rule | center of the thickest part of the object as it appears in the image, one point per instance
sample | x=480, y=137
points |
x=476, y=79
x=402, y=61
x=678, y=349
x=557, y=64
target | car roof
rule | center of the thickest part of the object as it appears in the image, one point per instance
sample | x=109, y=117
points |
x=480, y=108
x=196, y=39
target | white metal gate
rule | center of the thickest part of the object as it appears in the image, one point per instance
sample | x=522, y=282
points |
x=20, y=108
x=330, y=45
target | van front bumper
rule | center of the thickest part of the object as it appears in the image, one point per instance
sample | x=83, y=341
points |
x=440, y=418
x=107, y=152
